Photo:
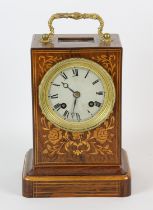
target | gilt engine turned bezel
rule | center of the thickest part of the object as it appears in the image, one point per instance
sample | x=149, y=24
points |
x=99, y=117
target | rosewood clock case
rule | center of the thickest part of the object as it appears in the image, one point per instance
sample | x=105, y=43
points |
x=76, y=163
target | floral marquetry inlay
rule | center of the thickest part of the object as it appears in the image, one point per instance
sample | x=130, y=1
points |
x=46, y=62
x=57, y=142
x=108, y=62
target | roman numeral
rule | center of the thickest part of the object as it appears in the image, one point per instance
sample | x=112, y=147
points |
x=95, y=81
x=53, y=96
x=100, y=93
x=77, y=116
x=98, y=104
x=63, y=75
x=75, y=72
x=86, y=74
x=72, y=114
x=66, y=114
x=57, y=106
x=90, y=113
x=55, y=84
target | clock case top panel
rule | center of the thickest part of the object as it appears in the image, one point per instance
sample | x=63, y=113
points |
x=43, y=57
x=65, y=41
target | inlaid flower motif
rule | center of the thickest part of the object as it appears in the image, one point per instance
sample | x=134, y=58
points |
x=76, y=135
x=58, y=142
x=100, y=135
x=55, y=135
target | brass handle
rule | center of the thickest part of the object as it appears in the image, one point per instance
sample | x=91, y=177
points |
x=76, y=15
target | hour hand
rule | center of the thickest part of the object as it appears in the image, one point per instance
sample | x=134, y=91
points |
x=65, y=85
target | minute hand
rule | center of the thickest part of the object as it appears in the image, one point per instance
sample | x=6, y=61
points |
x=74, y=104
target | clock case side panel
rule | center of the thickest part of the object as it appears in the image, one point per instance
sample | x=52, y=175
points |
x=34, y=101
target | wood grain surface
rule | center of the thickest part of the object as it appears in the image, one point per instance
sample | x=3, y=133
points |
x=43, y=58
x=60, y=168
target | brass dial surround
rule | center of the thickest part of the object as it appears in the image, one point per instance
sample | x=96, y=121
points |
x=99, y=117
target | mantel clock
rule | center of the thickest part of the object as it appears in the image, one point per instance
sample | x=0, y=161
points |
x=76, y=92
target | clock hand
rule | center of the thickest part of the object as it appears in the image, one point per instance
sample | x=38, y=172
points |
x=76, y=94
x=73, y=114
x=65, y=85
x=74, y=104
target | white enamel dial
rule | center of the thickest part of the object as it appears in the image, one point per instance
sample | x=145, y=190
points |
x=76, y=94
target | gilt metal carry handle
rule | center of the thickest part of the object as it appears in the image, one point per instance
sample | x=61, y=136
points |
x=76, y=16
